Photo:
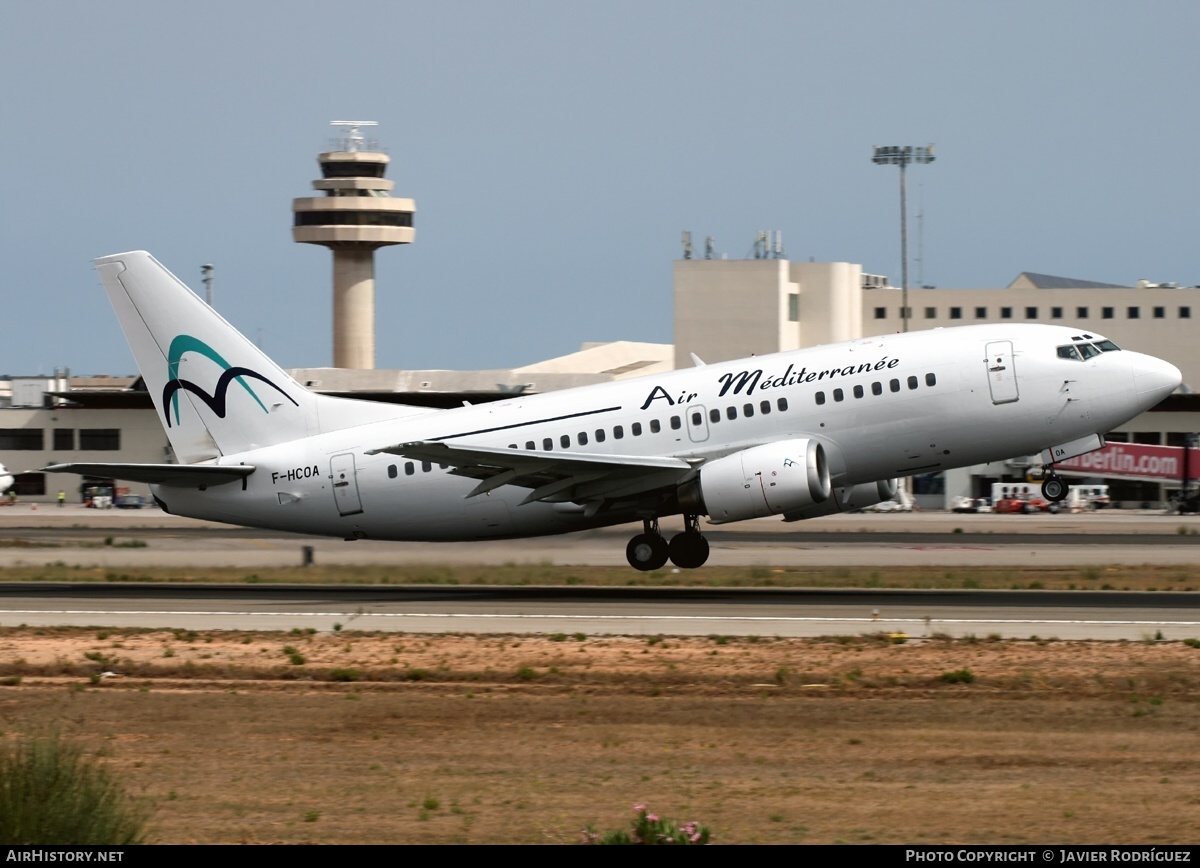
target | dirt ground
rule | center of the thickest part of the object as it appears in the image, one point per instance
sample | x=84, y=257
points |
x=370, y=738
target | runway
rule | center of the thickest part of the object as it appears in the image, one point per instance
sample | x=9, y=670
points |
x=51, y=536
x=619, y=611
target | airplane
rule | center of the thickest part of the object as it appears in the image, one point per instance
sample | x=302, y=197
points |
x=797, y=434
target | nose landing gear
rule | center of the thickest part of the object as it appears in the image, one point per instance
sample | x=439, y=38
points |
x=649, y=551
x=1053, y=487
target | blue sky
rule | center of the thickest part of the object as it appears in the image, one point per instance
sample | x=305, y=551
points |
x=557, y=149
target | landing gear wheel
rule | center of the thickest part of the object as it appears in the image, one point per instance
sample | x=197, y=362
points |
x=1053, y=488
x=646, y=552
x=688, y=550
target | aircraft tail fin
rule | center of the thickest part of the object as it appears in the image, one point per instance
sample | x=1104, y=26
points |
x=216, y=393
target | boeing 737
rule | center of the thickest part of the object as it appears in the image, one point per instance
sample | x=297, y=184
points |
x=797, y=434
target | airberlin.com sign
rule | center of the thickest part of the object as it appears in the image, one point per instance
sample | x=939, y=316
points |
x=1133, y=461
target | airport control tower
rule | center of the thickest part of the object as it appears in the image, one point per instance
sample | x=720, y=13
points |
x=355, y=215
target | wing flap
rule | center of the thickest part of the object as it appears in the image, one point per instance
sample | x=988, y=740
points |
x=552, y=476
x=178, y=475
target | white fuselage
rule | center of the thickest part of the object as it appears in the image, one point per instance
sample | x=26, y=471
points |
x=881, y=407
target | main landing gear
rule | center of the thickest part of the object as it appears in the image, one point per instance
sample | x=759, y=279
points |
x=649, y=551
x=1053, y=487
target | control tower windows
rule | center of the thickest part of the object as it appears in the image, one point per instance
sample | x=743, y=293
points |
x=354, y=218
x=353, y=169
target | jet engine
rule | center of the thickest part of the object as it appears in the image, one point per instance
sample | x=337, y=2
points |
x=847, y=499
x=764, y=480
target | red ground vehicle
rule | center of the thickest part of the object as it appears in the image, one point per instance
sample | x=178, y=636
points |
x=1025, y=506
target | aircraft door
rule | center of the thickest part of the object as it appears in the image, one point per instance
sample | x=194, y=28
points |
x=1001, y=372
x=697, y=423
x=345, y=484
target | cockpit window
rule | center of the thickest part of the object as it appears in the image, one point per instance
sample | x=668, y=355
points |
x=1107, y=346
x=1088, y=350
x=1069, y=352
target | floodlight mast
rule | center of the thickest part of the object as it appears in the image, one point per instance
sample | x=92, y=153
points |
x=896, y=155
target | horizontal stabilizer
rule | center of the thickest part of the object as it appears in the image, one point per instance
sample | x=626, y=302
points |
x=178, y=475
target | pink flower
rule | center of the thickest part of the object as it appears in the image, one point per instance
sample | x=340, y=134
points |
x=637, y=809
x=653, y=818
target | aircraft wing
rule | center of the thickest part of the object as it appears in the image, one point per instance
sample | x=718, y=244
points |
x=555, y=477
x=181, y=475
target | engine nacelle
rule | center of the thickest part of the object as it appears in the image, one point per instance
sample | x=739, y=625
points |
x=868, y=493
x=766, y=480
x=847, y=499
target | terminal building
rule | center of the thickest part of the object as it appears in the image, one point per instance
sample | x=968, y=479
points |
x=728, y=309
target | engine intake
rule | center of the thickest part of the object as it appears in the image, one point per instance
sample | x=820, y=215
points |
x=775, y=478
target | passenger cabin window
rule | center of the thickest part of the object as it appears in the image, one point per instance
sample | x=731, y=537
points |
x=675, y=423
x=655, y=427
x=426, y=466
x=930, y=380
x=636, y=429
x=764, y=407
x=877, y=388
x=599, y=435
x=731, y=413
x=782, y=404
x=582, y=438
x=565, y=441
x=529, y=444
x=547, y=445
x=618, y=432
x=715, y=415
x=409, y=468
x=697, y=418
x=839, y=395
x=912, y=382
x=820, y=396
x=747, y=410
x=858, y=391
x=392, y=472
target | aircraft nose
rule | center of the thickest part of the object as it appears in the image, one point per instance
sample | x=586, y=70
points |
x=1154, y=379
